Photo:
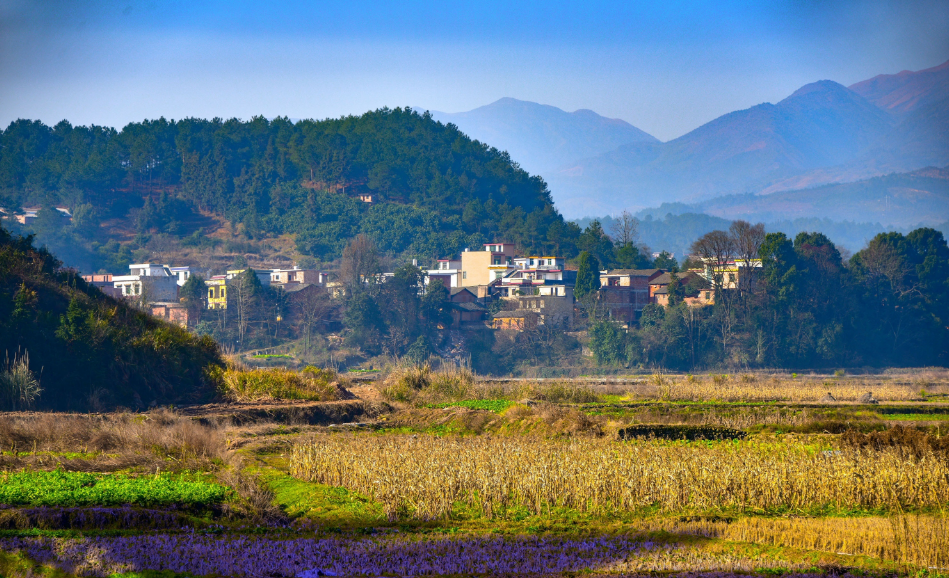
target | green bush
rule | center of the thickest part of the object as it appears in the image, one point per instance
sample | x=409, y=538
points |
x=60, y=488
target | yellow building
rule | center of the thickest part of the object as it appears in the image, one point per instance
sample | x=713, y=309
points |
x=217, y=292
x=483, y=267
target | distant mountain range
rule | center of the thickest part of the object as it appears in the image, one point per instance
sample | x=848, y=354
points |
x=897, y=200
x=824, y=133
x=543, y=138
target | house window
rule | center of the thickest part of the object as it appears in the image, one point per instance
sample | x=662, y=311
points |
x=464, y=274
x=211, y=293
x=614, y=282
x=730, y=277
x=706, y=295
x=497, y=260
x=498, y=274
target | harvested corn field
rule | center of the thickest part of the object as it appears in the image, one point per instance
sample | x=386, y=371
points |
x=424, y=476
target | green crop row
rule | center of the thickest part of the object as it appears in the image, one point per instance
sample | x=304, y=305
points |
x=61, y=488
x=496, y=405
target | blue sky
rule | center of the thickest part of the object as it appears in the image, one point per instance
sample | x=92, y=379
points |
x=666, y=67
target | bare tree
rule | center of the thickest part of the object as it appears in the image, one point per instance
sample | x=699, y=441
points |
x=625, y=229
x=312, y=308
x=160, y=245
x=747, y=239
x=716, y=249
x=360, y=263
x=243, y=294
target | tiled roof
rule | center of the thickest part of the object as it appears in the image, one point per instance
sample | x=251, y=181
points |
x=513, y=314
x=468, y=306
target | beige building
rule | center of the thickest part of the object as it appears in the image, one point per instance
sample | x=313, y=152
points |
x=309, y=276
x=485, y=267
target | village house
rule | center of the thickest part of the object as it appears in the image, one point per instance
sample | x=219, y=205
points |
x=104, y=283
x=148, y=282
x=696, y=290
x=519, y=320
x=182, y=274
x=295, y=275
x=263, y=275
x=465, y=308
x=172, y=312
x=446, y=271
x=625, y=292
x=217, y=292
x=734, y=274
x=484, y=267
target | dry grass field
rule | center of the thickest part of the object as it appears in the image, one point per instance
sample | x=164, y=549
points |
x=449, y=474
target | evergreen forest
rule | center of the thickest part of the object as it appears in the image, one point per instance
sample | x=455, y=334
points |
x=433, y=190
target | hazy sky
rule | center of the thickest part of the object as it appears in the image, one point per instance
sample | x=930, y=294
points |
x=666, y=67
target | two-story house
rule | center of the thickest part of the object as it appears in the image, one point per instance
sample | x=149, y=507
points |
x=625, y=292
x=148, y=282
x=696, y=290
x=447, y=272
x=485, y=267
x=295, y=275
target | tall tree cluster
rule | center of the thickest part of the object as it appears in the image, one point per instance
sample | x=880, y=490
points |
x=434, y=191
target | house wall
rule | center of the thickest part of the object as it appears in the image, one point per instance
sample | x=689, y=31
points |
x=217, y=293
x=171, y=312
x=479, y=268
x=515, y=323
x=474, y=268
x=550, y=310
x=152, y=287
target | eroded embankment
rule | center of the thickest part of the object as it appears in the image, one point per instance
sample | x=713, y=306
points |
x=290, y=413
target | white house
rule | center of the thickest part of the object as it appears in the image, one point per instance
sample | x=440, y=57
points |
x=149, y=281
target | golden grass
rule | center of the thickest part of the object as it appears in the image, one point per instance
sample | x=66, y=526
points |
x=239, y=383
x=107, y=442
x=422, y=384
x=751, y=387
x=920, y=540
x=423, y=476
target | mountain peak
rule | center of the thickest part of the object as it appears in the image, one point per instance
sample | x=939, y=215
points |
x=542, y=137
x=828, y=87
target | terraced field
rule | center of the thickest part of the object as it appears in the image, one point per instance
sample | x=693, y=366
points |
x=717, y=475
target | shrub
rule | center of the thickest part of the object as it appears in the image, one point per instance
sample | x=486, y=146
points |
x=406, y=383
x=19, y=388
x=243, y=384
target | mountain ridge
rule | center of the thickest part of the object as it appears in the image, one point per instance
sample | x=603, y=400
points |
x=822, y=133
x=542, y=137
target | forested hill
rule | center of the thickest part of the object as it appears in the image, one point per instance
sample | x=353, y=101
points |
x=86, y=350
x=435, y=191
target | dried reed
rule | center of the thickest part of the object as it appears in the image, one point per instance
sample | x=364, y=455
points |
x=424, y=476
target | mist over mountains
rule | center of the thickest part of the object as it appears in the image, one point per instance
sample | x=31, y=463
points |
x=543, y=138
x=822, y=134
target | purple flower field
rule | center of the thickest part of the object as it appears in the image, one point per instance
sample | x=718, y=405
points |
x=257, y=556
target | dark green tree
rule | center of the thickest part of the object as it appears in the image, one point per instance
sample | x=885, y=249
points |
x=588, y=276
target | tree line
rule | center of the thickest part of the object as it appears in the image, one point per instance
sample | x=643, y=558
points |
x=805, y=307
